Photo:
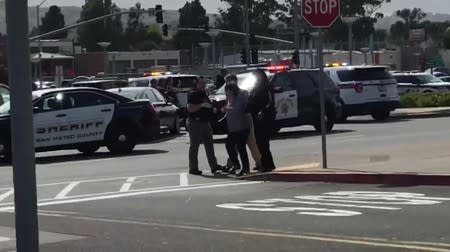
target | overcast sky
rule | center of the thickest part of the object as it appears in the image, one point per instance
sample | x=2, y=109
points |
x=436, y=6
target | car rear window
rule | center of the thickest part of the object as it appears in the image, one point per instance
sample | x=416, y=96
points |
x=364, y=74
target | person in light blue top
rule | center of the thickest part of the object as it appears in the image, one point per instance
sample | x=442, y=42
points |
x=238, y=126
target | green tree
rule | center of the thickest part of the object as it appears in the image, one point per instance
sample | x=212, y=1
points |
x=110, y=30
x=447, y=40
x=411, y=19
x=53, y=20
x=141, y=37
x=192, y=15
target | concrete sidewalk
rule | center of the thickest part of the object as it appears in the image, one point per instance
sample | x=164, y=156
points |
x=421, y=112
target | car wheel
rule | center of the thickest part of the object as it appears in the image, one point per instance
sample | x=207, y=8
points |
x=121, y=140
x=176, y=127
x=88, y=149
x=381, y=115
x=330, y=119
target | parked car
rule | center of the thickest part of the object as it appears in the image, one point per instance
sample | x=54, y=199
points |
x=420, y=83
x=84, y=119
x=101, y=83
x=444, y=70
x=167, y=112
x=365, y=90
x=445, y=78
x=296, y=97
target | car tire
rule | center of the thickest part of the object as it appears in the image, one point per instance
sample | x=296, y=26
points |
x=176, y=127
x=121, y=140
x=88, y=149
x=330, y=119
x=381, y=115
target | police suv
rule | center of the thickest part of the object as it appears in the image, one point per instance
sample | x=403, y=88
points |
x=84, y=119
x=365, y=90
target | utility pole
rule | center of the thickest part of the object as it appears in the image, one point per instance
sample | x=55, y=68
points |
x=297, y=27
x=23, y=159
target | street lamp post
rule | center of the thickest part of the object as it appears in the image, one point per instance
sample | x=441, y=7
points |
x=213, y=34
x=365, y=51
x=205, y=46
x=105, y=45
x=39, y=42
x=349, y=21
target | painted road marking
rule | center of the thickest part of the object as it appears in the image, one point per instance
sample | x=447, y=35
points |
x=417, y=246
x=127, y=185
x=184, y=179
x=6, y=194
x=117, y=195
x=66, y=190
x=358, y=199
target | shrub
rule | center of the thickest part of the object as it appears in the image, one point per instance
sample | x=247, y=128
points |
x=420, y=100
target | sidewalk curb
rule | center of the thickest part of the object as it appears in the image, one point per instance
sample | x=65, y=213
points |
x=442, y=113
x=393, y=179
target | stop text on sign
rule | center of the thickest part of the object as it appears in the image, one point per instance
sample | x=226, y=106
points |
x=323, y=7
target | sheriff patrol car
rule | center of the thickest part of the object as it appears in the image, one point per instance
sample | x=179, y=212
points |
x=84, y=119
x=365, y=90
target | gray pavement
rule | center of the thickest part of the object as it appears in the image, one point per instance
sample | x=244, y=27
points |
x=147, y=202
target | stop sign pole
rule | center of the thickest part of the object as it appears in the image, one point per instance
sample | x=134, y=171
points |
x=321, y=14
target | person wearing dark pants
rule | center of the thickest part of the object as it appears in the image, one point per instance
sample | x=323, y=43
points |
x=199, y=114
x=262, y=109
x=238, y=126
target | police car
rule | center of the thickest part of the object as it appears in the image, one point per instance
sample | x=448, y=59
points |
x=420, y=83
x=365, y=90
x=84, y=119
x=296, y=98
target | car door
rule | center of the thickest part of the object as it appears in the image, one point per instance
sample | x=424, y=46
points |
x=90, y=115
x=286, y=97
x=51, y=121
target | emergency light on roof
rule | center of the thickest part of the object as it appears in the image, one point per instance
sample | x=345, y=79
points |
x=277, y=68
x=336, y=64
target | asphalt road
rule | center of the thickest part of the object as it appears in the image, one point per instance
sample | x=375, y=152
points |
x=147, y=202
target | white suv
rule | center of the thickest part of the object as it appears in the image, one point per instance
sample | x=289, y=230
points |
x=365, y=90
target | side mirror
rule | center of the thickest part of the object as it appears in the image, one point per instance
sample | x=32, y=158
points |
x=169, y=103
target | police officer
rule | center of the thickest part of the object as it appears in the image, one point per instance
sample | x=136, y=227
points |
x=200, y=111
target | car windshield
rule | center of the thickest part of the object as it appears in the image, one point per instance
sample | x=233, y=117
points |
x=363, y=74
x=428, y=78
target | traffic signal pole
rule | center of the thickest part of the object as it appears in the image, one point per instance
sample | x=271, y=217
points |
x=247, y=32
x=23, y=159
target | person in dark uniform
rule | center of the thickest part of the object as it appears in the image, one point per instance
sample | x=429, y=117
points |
x=262, y=108
x=200, y=111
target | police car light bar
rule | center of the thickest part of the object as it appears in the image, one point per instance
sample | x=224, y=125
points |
x=277, y=69
x=336, y=64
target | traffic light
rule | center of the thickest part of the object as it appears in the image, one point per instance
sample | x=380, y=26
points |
x=254, y=53
x=159, y=14
x=243, y=56
x=165, y=30
x=296, y=57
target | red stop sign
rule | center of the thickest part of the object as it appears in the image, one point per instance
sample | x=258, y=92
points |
x=321, y=13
